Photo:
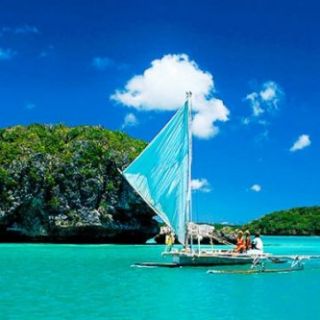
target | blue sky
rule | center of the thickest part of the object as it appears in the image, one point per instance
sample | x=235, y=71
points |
x=258, y=61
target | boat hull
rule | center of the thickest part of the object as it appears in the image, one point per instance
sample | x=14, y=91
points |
x=210, y=259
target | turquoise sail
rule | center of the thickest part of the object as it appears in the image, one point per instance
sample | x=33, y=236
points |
x=161, y=173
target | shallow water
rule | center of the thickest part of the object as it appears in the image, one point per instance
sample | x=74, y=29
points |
x=46, y=281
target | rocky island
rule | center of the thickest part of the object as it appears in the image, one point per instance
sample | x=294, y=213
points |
x=61, y=184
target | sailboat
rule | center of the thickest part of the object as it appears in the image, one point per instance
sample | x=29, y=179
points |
x=161, y=175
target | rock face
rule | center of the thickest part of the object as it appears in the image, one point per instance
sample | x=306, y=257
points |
x=60, y=184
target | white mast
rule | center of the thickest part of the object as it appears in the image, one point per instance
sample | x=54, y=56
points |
x=189, y=195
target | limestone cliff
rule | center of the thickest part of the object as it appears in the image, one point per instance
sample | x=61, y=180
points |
x=61, y=184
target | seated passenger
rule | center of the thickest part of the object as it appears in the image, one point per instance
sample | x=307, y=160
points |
x=257, y=243
x=240, y=247
x=247, y=240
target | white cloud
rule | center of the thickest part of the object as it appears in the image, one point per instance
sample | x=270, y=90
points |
x=254, y=100
x=102, y=63
x=266, y=99
x=6, y=54
x=130, y=120
x=269, y=92
x=245, y=121
x=163, y=85
x=24, y=29
x=201, y=185
x=256, y=188
x=302, y=142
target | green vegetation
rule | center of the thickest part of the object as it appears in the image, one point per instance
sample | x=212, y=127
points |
x=54, y=176
x=58, y=140
x=296, y=221
x=57, y=180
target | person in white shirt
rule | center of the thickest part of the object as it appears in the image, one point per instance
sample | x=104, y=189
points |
x=257, y=243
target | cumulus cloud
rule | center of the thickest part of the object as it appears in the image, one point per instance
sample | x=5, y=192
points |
x=163, y=85
x=130, y=120
x=266, y=99
x=256, y=188
x=102, y=63
x=302, y=142
x=6, y=54
x=201, y=185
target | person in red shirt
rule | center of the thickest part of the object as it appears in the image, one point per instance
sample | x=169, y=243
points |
x=240, y=247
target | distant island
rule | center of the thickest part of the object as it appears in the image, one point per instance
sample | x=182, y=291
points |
x=295, y=221
x=62, y=184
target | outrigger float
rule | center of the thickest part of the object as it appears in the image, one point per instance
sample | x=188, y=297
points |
x=264, y=263
x=161, y=175
x=259, y=265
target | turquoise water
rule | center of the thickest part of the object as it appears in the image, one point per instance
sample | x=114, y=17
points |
x=96, y=282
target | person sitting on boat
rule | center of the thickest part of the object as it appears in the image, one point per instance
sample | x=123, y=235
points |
x=257, y=243
x=240, y=247
x=247, y=240
x=169, y=240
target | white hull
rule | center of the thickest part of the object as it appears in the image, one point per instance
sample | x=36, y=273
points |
x=211, y=258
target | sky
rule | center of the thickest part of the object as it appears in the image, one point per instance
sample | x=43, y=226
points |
x=253, y=68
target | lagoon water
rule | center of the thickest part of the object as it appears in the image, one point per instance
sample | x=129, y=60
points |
x=46, y=281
